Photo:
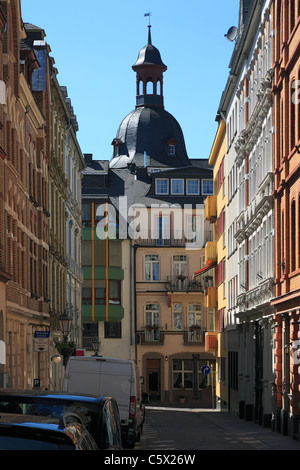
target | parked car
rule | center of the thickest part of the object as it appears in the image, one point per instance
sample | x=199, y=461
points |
x=100, y=415
x=117, y=377
x=21, y=432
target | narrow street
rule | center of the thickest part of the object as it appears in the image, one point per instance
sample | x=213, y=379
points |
x=201, y=429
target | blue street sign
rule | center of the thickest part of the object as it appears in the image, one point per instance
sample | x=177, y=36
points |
x=36, y=382
x=205, y=370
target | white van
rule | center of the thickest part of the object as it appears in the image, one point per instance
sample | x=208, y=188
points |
x=118, y=378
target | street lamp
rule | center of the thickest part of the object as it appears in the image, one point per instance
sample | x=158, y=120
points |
x=65, y=348
x=96, y=346
x=65, y=324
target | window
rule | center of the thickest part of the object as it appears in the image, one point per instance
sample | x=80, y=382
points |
x=210, y=319
x=177, y=316
x=192, y=186
x=177, y=186
x=86, y=214
x=163, y=230
x=194, y=232
x=115, y=253
x=207, y=187
x=151, y=267
x=152, y=322
x=114, y=292
x=100, y=292
x=162, y=186
x=112, y=329
x=180, y=266
x=171, y=149
x=86, y=253
x=86, y=296
x=194, y=322
x=182, y=373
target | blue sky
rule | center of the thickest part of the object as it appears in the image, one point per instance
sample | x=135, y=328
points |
x=95, y=43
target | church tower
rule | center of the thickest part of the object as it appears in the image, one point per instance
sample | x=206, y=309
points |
x=149, y=130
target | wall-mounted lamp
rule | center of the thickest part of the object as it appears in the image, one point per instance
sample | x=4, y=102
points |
x=166, y=358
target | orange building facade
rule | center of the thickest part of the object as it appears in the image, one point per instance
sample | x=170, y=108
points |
x=286, y=166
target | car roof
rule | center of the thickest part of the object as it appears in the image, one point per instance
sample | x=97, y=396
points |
x=54, y=395
x=16, y=424
x=41, y=422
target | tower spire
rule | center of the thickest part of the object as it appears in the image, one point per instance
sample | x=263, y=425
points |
x=149, y=35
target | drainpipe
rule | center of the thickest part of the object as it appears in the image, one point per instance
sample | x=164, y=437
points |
x=286, y=379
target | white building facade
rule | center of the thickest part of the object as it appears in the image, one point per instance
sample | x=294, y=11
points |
x=247, y=106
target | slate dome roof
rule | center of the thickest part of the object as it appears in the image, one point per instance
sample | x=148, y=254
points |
x=149, y=129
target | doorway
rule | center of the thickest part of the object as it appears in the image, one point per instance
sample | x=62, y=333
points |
x=153, y=378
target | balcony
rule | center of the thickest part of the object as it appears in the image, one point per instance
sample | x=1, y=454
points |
x=183, y=284
x=173, y=238
x=193, y=334
x=210, y=252
x=210, y=208
x=211, y=297
x=150, y=335
x=211, y=341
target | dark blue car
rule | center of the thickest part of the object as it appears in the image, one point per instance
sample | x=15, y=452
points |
x=99, y=415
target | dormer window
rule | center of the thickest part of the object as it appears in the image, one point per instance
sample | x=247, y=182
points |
x=172, y=147
x=116, y=143
x=171, y=150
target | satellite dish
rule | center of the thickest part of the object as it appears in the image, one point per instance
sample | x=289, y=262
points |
x=231, y=33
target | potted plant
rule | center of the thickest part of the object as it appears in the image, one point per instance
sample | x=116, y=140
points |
x=181, y=399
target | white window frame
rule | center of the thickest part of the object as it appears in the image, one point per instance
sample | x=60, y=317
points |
x=190, y=180
x=150, y=261
x=156, y=185
x=175, y=180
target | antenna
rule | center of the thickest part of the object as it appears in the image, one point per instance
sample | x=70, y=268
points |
x=231, y=33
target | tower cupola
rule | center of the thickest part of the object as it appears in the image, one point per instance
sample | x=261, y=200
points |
x=149, y=70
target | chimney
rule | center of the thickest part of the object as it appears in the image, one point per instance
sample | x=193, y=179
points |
x=88, y=158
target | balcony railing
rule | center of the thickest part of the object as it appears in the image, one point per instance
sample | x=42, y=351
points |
x=173, y=238
x=183, y=284
x=150, y=334
x=193, y=335
x=156, y=335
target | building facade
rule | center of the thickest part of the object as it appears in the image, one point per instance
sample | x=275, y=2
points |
x=24, y=240
x=107, y=291
x=246, y=106
x=216, y=213
x=286, y=302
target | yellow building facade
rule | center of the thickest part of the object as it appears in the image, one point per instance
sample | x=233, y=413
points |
x=215, y=212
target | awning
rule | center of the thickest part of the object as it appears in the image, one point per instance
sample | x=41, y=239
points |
x=207, y=267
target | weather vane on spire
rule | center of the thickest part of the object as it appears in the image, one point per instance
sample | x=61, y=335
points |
x=148, y=14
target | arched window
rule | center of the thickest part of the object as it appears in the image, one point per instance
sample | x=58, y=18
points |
x=140, y=90
x=298, y=231
x=292, y=14
x=158, y=87
x=292, y=115
x=293, y=236
x=149, y=87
